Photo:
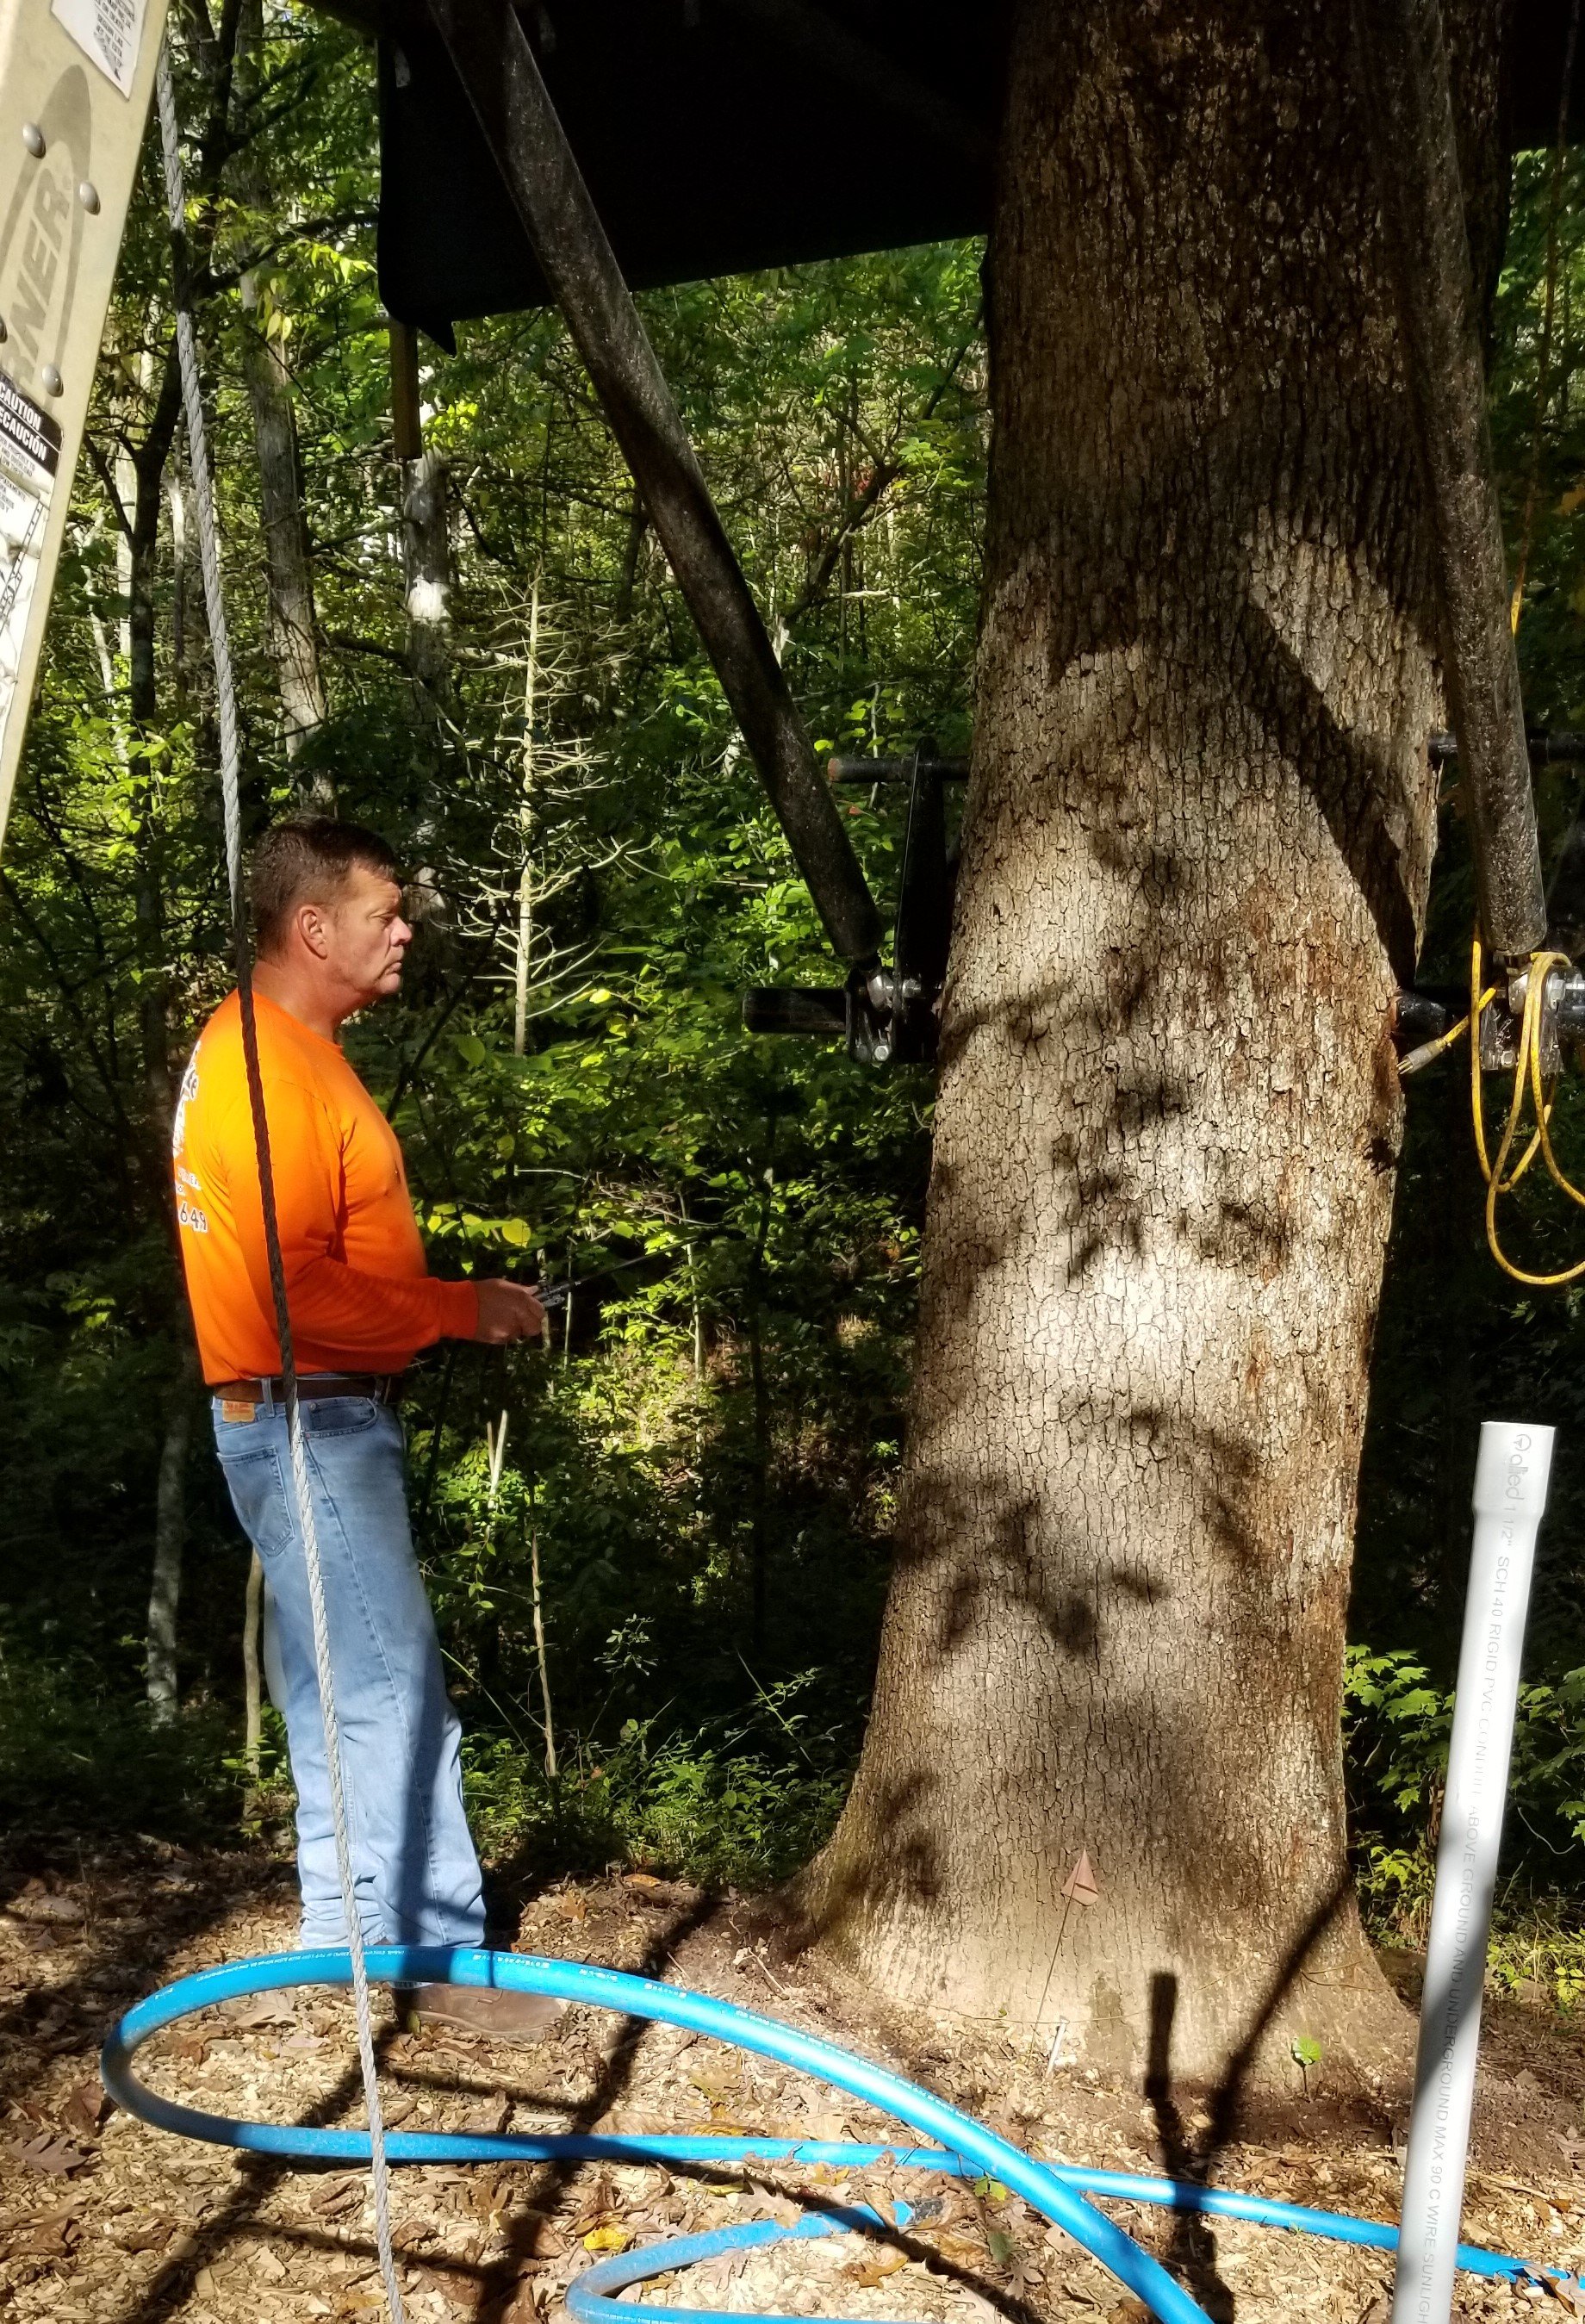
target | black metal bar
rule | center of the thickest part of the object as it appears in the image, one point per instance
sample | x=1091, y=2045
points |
x=1557, y=747
x=406, y=426
x=923, y=927
x=1405, y=90
x=497, y=68
x=1425, y=1014
x=895, y=771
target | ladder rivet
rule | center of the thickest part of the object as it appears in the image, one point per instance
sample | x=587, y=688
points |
x=33, y=137
x=52, y=379
x=88, y=196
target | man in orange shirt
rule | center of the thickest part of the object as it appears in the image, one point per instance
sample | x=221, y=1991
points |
x=331, y=939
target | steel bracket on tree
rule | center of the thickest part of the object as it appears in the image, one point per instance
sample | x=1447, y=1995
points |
x=887, y=1016
x=1426, y=1013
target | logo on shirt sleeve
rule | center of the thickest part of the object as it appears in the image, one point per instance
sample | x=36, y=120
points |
x=189, y=1090
x=188, y=1214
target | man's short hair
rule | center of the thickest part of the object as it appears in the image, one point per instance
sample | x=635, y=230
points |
x=307, y=859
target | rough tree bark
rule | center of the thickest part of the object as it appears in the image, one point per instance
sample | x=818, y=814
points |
x=1198, y=841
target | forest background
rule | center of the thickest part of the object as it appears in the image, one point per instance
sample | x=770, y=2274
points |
x=659, y=1606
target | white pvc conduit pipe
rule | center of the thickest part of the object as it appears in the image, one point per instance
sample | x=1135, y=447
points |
x=1510, y=1499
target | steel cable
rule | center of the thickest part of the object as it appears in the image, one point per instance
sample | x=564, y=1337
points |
x=230, y=788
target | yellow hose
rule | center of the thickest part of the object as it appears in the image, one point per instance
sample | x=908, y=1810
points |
x=1526, y=1078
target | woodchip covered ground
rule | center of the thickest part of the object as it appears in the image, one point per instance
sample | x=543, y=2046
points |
x=103, y=2220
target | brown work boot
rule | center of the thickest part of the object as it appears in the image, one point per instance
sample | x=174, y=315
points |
x=490, y=2009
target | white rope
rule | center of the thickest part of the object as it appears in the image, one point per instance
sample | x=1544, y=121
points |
x=230, y=769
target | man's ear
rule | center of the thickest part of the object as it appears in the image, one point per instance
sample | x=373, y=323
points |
x=311, y=926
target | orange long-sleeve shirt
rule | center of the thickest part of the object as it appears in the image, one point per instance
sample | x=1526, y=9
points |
x=360, y=1298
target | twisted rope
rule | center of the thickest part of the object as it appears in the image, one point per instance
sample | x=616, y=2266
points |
x=230, y=771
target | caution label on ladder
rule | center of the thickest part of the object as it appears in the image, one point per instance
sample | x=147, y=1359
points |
x=75, y=77
x=107, y=31
x=30, y=462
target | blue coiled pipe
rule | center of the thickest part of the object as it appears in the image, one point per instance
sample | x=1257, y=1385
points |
x=1060, y=2193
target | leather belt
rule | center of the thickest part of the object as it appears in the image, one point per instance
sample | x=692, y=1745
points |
x=312, y=1388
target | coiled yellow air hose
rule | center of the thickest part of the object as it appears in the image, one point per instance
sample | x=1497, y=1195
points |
x=1527, y=1084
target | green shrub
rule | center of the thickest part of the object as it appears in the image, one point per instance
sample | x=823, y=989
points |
x=1397, y=1724
x=79, y=1754
x=738, y=1804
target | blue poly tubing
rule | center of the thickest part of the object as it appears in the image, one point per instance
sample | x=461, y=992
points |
x=1060, y=2193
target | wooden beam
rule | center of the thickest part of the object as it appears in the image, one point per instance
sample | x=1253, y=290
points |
x=499, y=72
x=1408, y=100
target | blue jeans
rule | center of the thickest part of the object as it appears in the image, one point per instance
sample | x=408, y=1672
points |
x=414, y=1865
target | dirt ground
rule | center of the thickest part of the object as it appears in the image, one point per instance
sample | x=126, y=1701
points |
x=104, y=2219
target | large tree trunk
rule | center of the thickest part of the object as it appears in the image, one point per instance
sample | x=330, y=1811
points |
x=1197, y=846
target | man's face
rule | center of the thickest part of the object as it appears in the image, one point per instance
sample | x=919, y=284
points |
x=366, y=937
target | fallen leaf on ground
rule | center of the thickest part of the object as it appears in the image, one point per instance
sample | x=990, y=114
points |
x=607, y=2239
x=52, y=2236
x=871, y=2272
x=85, y=2107
x=44, y=1908
x=54, y=2156
x=958, y=2251
x=258, y=2009
x=600, y=2200
x=713, y=2076
x=135, y=2235
x=457, y=2287
x=339, y=2196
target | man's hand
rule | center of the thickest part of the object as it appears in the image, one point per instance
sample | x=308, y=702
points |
x=508, y=1311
